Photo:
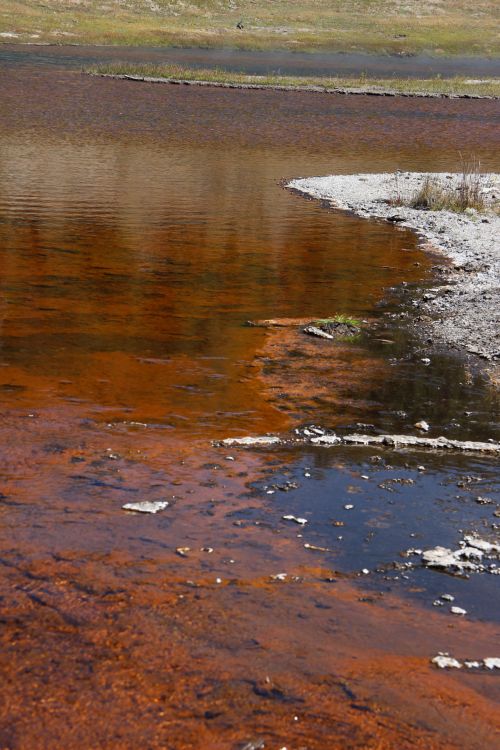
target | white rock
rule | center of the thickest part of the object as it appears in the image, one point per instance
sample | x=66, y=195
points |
x=458, y=611
x=325, y=440
x=459, y=560
x=301, y=521
x=315, y=331
x=482, y=544
x=147, y=506
x=422, y=425
x=445, y=661
x=491, y=663
x=261, y=440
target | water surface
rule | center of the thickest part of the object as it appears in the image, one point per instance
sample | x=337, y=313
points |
x=254, y=62
x=141, y=226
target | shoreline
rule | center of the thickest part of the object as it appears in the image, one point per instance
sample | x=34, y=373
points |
x=341, y=90
x=463, y=312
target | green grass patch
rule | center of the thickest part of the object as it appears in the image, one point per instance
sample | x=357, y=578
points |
x=339, y=319
x=457, y=86
x=438, y=27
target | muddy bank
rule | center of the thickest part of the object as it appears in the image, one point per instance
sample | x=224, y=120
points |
x=464, y=313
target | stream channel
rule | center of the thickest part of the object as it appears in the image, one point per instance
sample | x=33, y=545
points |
x=141, y=227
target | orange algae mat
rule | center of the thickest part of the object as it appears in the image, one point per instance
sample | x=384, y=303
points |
x=137, y=237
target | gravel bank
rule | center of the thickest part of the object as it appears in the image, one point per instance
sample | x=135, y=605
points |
x=366, y=90
x=466, y=312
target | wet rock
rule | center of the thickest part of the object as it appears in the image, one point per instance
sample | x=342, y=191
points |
x=481, y=544
x=445, y=661
x=252, y=745
x=300, y=521
x=422, y=425
x=252, y=441
x=470, y=557
x=147, y=506
x=458, y=611
x=491, y=663
x=286, y=486
x=183, y=551
x=410, y=441
x=325, y=440
x=393, y=441
x=484, y=501
x=315, y=331
x=442, y=557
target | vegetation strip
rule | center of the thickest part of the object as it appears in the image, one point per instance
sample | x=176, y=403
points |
x=449, y=88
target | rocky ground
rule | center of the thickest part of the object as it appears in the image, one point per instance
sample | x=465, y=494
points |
x=465, y=312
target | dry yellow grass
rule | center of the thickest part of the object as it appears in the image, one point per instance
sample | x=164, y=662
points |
x=382, y=26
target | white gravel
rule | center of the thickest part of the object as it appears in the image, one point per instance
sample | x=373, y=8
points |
x=466, y=312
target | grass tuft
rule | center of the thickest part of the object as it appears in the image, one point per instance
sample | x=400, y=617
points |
x=339, y=320
x=437, y=195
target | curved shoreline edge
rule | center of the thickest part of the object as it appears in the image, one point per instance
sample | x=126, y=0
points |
x=362, y=91
x=465, y=312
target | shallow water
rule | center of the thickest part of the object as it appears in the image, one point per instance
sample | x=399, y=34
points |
x=254, y=62
x=141, y=226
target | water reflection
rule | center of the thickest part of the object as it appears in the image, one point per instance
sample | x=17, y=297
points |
x=142, y=226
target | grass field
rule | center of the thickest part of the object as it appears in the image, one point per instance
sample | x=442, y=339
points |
x=447, y=86
x=439, y=27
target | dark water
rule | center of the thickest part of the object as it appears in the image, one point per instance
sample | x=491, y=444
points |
x=141, y=226
x=257, y=63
